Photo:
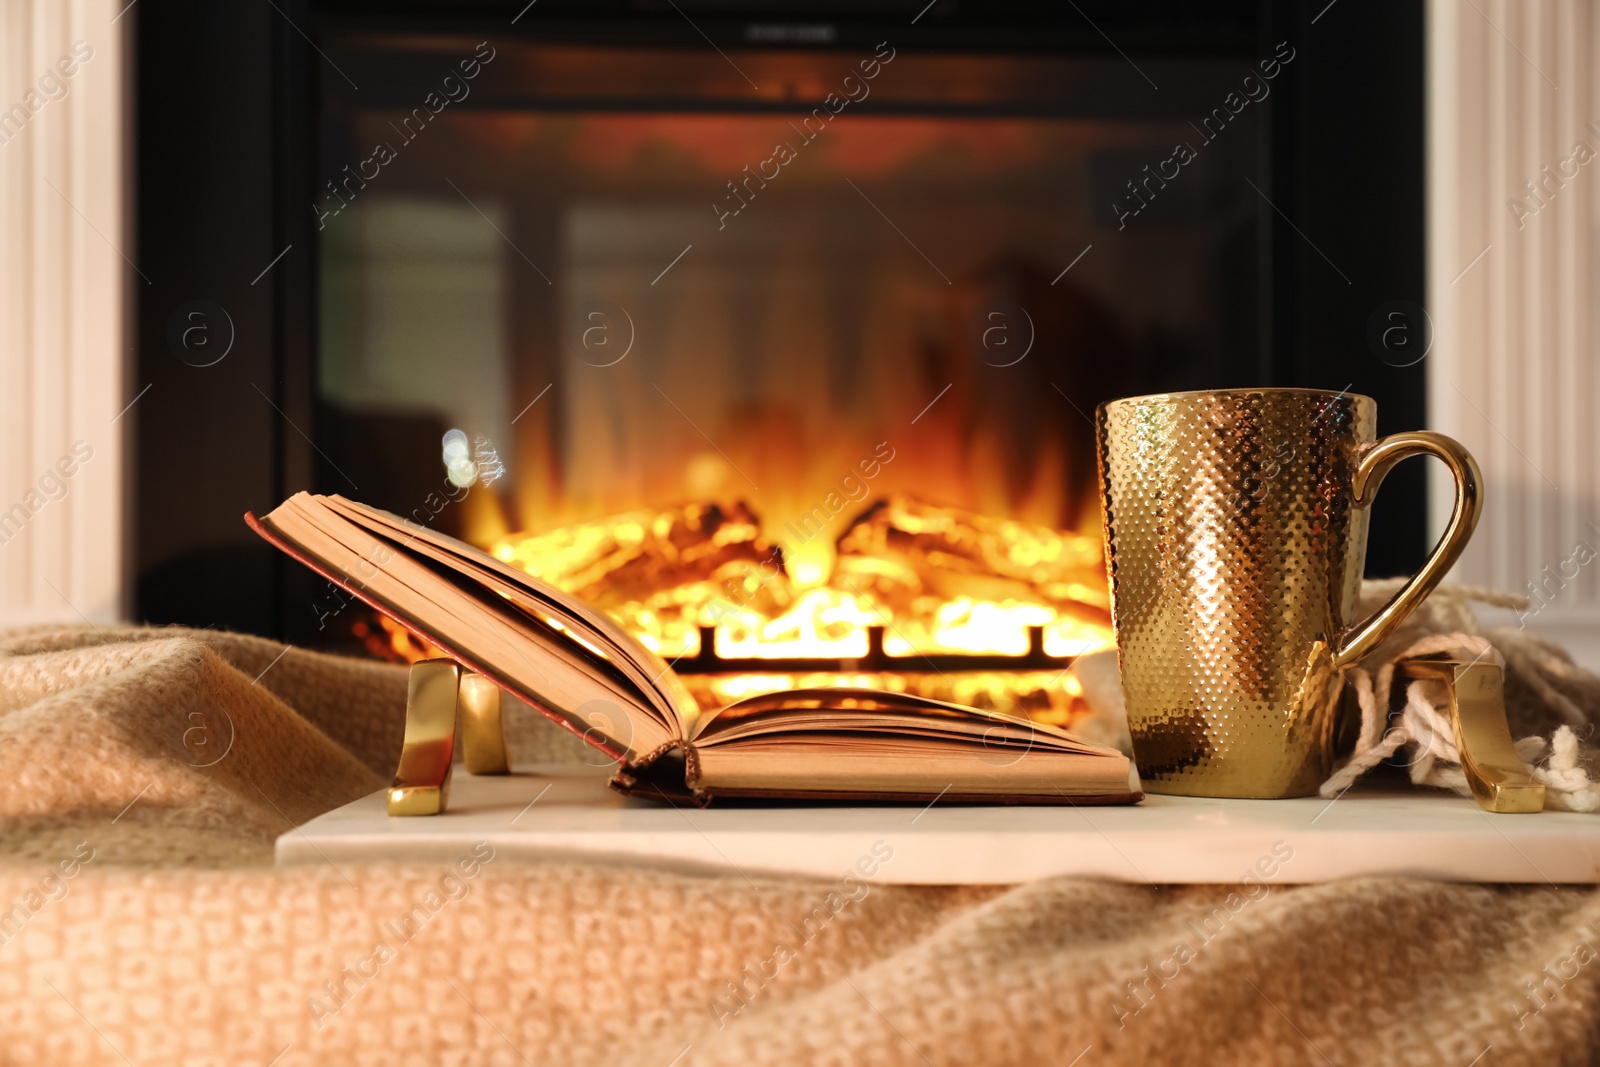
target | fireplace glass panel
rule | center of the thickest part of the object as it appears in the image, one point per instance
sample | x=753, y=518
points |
x=682, y=333
x=683, y=328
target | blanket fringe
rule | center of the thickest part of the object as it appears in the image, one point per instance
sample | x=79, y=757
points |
x=1420, y=730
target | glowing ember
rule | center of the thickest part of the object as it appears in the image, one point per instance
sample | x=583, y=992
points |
x=662, y=574
x=955, y=581
x=1043, y=696
x=387, y=639
x=823, y=622
x=936, y=580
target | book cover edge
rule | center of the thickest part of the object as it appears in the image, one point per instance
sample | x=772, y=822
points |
x=590, y=737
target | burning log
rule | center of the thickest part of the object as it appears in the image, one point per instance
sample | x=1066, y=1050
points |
x=924, y=580
x=662, y=573
x=927, y=564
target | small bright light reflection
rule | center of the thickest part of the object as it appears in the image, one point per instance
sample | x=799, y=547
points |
x=459, y=468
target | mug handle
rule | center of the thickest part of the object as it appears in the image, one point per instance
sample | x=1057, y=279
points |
x=1375, y=461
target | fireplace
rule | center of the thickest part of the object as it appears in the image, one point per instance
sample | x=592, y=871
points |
x=777, y=332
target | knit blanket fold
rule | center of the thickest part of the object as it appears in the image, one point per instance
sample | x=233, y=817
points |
x=145, y=773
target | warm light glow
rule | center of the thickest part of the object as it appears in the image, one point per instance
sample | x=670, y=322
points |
x=809, y=568
x=937, y=580
x=1043, y=696
x=389, y=640
x=664, y=576
x=822, y=623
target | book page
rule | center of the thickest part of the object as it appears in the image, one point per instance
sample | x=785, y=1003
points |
x=592, y=627
x=861, y=741
x=844, y=708
x=485, y=632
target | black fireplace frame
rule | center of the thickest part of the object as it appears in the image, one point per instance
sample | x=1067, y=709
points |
x=226, y=127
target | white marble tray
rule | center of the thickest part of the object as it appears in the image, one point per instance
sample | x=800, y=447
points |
x=543, y=814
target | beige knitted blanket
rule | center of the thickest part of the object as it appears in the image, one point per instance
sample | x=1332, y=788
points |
x=145, y=773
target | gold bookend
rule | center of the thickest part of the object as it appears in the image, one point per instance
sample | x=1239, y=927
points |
x=1498, y=779
x=422, y=783
x=439, y=693
x=483, y=739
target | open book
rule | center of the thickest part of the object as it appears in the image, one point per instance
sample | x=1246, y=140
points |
x=577, y=666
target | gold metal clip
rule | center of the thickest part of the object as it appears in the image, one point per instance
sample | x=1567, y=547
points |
x=483, y=738
x=439, y=693
x=422, y=783
x=1498, y=779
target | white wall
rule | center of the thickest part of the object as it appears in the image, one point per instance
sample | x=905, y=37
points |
x=1513, y=372
x=63, y=297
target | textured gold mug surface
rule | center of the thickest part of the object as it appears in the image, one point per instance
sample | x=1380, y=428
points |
x=1236, y=531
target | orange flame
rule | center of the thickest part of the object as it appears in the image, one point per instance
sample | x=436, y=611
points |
x=936, y=579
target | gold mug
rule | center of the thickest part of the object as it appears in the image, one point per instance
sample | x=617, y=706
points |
x=1236, y=531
